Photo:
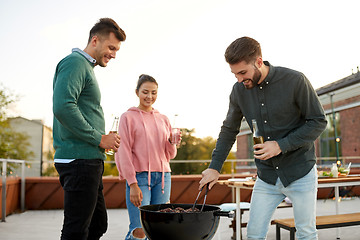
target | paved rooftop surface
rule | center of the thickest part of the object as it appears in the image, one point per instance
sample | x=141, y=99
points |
x=46, y=224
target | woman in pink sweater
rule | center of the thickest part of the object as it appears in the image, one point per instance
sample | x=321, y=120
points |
x=144, y=154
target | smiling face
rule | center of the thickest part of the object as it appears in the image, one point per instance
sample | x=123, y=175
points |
x=147, y=94
x=247, y=73
x=105, y=48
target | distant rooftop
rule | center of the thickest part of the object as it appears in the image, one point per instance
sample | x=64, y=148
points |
x=344, y=82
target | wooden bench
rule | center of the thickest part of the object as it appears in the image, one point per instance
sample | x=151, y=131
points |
x=322, y=222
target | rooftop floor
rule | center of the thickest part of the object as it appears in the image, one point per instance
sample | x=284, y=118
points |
x=46, y=224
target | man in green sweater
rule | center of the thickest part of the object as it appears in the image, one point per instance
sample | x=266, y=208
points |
x=79, y=132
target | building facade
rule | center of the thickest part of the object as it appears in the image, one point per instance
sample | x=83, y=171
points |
x=40, y=140
x=341, y=102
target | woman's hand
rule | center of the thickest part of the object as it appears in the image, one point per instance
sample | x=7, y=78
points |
x=135, y=195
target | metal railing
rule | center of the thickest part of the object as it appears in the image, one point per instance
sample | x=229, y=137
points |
x=3, y=191
x=239, y=165
x=249, y=164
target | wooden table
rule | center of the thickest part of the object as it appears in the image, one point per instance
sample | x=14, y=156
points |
x=326, y=182
x=238, y=185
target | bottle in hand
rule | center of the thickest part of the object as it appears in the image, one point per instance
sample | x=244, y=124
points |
x=257, y=138
x=114, y=129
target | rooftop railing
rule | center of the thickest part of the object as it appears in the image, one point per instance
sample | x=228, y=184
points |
x=3, y=189
x=242, y=166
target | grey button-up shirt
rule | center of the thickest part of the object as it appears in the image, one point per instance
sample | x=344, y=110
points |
x=287, y=110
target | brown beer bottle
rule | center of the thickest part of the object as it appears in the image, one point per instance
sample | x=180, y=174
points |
x=256, y=135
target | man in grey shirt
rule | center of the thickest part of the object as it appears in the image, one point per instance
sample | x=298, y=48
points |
x=290, y=118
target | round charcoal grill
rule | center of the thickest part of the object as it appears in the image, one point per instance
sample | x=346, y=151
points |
x=181, y=226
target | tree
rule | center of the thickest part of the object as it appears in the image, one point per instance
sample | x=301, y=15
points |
x=193, y=148
x=13, y=145
x=5, y=100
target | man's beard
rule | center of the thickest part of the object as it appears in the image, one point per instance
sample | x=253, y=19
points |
x=255, y=79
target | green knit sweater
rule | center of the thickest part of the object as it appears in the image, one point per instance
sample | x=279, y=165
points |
x=78, y=116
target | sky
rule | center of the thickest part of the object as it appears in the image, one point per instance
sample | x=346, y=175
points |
x=180, y=43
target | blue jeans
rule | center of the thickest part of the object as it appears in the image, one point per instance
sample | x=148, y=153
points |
x=150, y=197
x=266, y=197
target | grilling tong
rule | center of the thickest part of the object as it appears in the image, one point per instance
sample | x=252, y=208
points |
x=206, y=192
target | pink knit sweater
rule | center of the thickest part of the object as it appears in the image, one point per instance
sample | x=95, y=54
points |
x=144, y=144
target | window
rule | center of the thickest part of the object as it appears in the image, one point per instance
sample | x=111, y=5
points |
x=327, y=138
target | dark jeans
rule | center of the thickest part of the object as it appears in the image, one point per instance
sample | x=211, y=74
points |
x=85, y=216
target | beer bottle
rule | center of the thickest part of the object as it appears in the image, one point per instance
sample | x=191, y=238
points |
x=114, y=129
x=256, y=135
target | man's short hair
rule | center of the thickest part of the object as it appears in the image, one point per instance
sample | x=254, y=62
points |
x=243, y=49
x=104, y=27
